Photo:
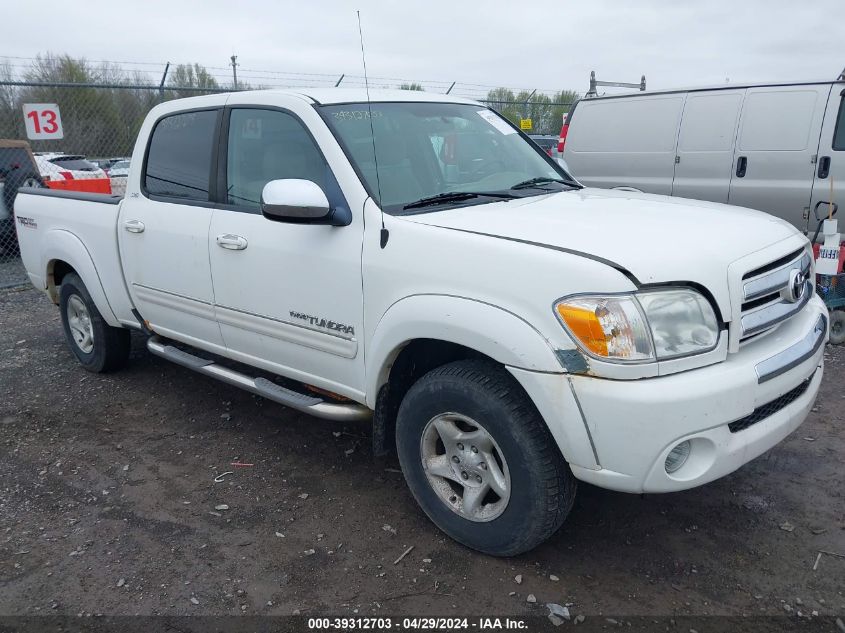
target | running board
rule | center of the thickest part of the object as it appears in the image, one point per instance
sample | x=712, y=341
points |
x=260, y=386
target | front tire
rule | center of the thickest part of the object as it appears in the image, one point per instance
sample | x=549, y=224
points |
x=98, y=346
x=480, y=460
x=837, y=327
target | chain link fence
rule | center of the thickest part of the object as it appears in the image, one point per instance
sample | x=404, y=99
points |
x=99, y=123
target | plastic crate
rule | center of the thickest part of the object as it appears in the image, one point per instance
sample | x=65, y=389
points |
x=831, y=288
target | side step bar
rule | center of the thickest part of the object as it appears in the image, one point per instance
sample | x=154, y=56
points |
x=260, y=386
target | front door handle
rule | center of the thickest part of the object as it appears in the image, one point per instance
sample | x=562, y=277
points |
x=134, y=226
x=824, y=167
x=232, y=242
x=741, y=166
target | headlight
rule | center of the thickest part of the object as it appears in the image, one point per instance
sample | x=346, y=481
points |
x=647, y=326
x=682, y=322
x=607, y=327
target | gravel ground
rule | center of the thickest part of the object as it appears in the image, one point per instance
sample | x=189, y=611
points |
x=108, y=504
x=12, y=272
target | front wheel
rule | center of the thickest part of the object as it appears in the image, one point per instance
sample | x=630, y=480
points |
x=837, y=327
x=98, y=346
x=480, y=460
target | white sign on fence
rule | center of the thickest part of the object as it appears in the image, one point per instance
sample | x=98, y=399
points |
x=43, y=121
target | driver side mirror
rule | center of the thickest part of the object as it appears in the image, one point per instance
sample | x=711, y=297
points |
x=295, y=200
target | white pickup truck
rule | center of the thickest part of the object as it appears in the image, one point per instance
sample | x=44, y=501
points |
x=417, y=261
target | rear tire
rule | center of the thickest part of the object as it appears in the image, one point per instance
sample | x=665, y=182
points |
x=98, y=346
x=480, y=460
x=837, y=327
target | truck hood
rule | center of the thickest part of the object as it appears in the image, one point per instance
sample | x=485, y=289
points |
x=650, y=238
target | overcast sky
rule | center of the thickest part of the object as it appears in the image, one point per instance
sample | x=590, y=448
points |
x=533, y=44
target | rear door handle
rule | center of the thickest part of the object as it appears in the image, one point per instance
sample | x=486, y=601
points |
x=134, y=226
x=824, y=166
x=741, y=166
x=232, y=242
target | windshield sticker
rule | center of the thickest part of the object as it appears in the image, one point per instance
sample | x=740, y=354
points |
x=496, y=122
x=356, y=115
x=251, y=129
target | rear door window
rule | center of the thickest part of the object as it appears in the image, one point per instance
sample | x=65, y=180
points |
x=74, y=163
x=179, y=156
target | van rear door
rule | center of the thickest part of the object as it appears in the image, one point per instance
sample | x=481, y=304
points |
x=830, y=166
x=625, y=142
x=775, y=151
x=706, y=145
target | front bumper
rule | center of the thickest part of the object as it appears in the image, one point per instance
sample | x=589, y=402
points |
x=767, y=388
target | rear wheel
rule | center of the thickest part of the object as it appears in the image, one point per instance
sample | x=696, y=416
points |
x=837, y=327
x=98, y=346
x=480, y=460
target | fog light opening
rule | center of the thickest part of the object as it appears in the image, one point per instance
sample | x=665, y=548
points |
x=677, y=457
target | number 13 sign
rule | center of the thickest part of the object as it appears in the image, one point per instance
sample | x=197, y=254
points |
x=43, y=121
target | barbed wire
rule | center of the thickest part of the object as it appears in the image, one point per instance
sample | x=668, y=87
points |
x=21, y=65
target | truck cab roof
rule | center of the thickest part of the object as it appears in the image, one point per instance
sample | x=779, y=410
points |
x=325, y=96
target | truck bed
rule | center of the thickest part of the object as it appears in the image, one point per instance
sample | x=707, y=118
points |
x=79, y=229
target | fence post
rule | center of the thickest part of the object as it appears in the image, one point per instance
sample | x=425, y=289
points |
x=163, y=77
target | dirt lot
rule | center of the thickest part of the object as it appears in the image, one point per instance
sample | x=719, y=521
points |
x=107, y=505
x=12, y=272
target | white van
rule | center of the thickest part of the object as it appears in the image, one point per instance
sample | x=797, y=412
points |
x=773, y=147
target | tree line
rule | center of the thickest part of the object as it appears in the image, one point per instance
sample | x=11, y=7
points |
x=546, y=112
x=103, y=121
x=97, y=121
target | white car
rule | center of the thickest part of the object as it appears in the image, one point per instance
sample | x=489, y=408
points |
x=119, y=169
x=413, y=261
x=57, y=167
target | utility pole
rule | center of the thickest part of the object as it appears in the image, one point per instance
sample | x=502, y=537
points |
x=234, y=59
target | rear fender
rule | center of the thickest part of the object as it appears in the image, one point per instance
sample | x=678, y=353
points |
x=61, y=245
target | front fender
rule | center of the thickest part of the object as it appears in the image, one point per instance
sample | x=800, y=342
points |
x=503, y=336
x=63, y=245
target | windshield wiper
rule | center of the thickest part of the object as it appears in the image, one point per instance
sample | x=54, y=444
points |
x=456, y=196
x=542, y=180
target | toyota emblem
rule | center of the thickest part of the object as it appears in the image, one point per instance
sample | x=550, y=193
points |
x=795, y=289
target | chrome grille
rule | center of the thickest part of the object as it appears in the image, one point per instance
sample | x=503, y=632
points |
x=774, y=293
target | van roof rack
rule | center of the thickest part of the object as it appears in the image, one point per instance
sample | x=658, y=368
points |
x=592, y=92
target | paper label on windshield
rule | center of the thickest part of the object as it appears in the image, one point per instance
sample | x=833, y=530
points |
x=496, y=122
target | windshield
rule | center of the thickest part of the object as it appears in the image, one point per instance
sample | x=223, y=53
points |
x=74, y=163
x=427, y=151
x=546, y=142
